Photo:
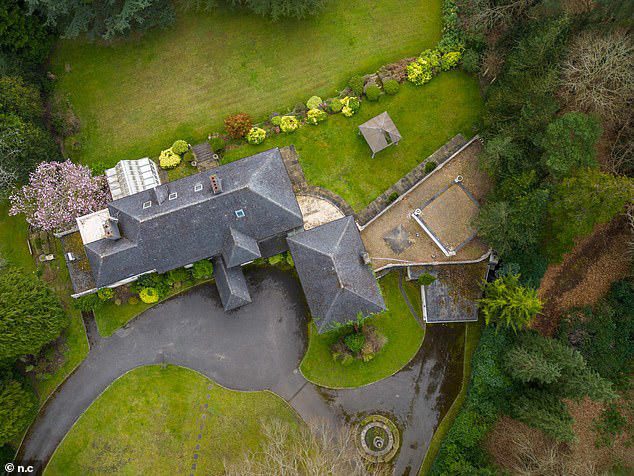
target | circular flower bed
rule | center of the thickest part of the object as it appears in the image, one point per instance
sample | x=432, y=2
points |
x=378, y=440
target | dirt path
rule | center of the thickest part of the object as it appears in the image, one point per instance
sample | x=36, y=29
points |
x=585, y=275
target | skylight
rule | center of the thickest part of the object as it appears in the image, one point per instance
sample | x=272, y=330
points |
x=147, y=204
x=240, y=213
x=172, y=196
x=198, y=187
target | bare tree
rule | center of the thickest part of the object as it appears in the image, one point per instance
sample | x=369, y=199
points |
x=598, y=75
x=488, y=15
x=313, y=450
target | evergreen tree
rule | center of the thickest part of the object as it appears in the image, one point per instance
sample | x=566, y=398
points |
x=508, y=303
x=31, y=314
x=18, y=406
x=570, y=143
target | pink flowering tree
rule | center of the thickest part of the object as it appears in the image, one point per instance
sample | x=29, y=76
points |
x=57, y=193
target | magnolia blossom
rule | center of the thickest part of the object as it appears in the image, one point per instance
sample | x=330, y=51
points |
x=57, y=193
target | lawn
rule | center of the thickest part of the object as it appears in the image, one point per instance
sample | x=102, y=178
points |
x=136, y=97
x=73, y=346
x=404, y=338
x=110, y=317
x=334, y=156
x=148, y=422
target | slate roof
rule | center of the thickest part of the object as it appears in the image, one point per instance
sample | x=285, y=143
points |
x=239, y=248
x=376, y=129
x=197, y=224
x=336, y=282
x=231, y=284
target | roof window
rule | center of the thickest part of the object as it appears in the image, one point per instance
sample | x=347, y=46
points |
x=198, y=187
x=239, y=213
x=172, y=196
x=147, y=204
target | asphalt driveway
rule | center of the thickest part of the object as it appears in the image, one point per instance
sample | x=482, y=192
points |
x=255, y=347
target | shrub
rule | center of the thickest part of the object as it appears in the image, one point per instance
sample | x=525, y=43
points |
x=180, y=147
x=425, y=279
x=217, y=143
x=313, y=102
x=105, y=294
x=471, y=61
x=391, y=86
x=356, y=85
x=289, y=124
x=393, y=196
x=354, y=342
x=202, y=269
x=315, y=115
x=429, y=166
x=238, y=125
x=276, y=120
x=149, y=295
x=87, y=303
x=336, y=105
x=351, y=105
x=169, y=159
x=373, y=92
x=256, y=136
x=176, y=276
x=450, y=60
x=424, y=68
x=133, y=300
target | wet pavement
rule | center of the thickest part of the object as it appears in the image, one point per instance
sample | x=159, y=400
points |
x=256, y=347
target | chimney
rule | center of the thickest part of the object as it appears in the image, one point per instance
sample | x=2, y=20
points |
x=159, y=194
x=216, y=185
x=111, y=229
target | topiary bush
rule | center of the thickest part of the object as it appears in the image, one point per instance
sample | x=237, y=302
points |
x=256, y=136
x=105, y=294
x=354, y=342
x=429, y=166
x=276, y=120
x=289, y=124
x=356, y=85
x=315, y=115
x=336, y=105
x=217, y=143
x=391, y=86
x=238, y=125
x=180, y=147
x=169, y=159
x=149, y=295
x=372, y=93
x=313, y=102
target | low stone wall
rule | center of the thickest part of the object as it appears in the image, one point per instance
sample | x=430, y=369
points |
x=409, y=180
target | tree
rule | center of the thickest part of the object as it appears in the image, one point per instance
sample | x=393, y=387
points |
x=514, y=221
x=276, y=9
x=20, y=98
x=583, y=201
x=507, y=303
x=103, y=18
x=598, y=74
x=22, y=146
x=501, y=157
x=22, y=33
x=570, y=142
x=58, y=193
x=18, y=406
x=31, y=316
x=314, y=449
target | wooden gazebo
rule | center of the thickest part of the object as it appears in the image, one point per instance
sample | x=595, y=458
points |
x=380, y=132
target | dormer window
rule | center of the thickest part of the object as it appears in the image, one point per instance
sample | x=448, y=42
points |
x=172, y=196
x=239, y=213
x=198, y=187
x=147, y=204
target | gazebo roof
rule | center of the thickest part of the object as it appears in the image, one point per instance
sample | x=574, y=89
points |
x=377, y=130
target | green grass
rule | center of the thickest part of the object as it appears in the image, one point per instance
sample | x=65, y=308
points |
x=136, y=97
x=147, y=422
x=404, y=337
x=334, y=156
x=472, y=336
x=14, y=249
x=110, y=317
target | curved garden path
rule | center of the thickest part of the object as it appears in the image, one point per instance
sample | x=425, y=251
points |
x=253, y=348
